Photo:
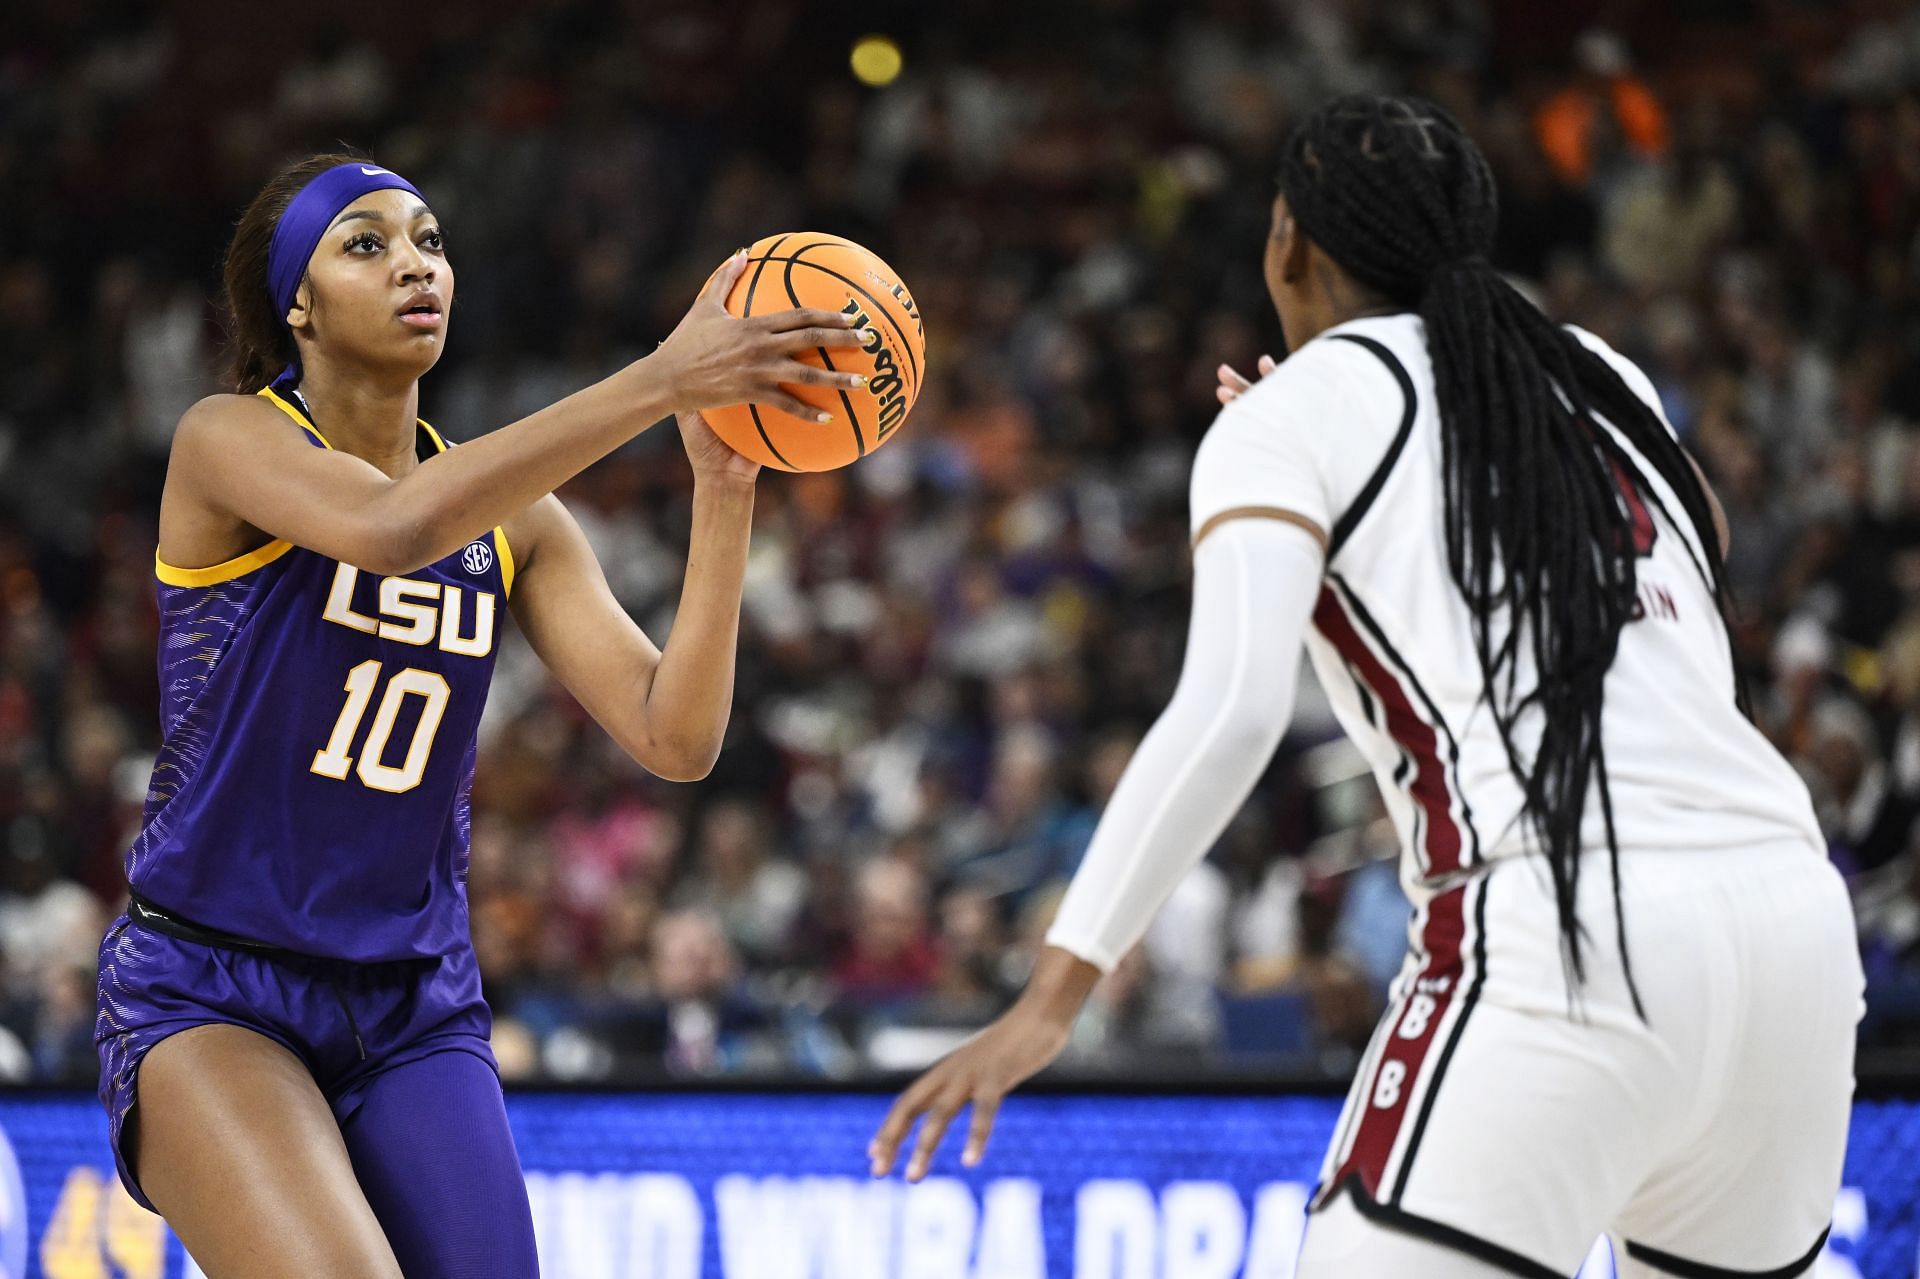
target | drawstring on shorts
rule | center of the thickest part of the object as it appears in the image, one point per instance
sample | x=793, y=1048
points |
x=347, y=1008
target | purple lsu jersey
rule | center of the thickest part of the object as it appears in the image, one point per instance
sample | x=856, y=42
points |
x=320, y=726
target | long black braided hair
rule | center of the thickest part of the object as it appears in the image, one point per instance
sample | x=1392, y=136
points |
x=1540, y=536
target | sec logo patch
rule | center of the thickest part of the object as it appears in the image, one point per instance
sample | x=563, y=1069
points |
x=477, y=558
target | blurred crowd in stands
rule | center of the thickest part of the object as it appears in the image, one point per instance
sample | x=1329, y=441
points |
x=950, y=648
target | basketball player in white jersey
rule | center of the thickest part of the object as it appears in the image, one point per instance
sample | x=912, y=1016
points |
x=1630, y=1002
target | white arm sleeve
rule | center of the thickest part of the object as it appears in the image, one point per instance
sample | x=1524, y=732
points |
x=1254, y=586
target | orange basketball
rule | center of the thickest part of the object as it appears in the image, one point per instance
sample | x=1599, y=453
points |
x=809, y=268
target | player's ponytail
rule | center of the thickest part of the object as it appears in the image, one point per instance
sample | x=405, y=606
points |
x=1540, y=538
x=259, y=345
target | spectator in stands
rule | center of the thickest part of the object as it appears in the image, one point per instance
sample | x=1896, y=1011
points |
x=1867, y=821
x=710, y=1021
x=972, y=983
x=61, y=1036
x=1887, y=905
x=1025, y=835
x=1604, y=101
x=47, y=923
x=1667, y=217
x=890, y=957
x=755, y=898
x=626, y=938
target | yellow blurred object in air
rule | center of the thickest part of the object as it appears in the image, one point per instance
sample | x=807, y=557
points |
x=875, y=61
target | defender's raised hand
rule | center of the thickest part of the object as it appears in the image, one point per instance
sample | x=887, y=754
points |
x=1233, y=384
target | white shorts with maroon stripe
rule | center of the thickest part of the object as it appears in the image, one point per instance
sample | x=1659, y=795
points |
x=1706, y=1139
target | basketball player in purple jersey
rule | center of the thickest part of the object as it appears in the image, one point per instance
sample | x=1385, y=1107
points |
x=293, y=1046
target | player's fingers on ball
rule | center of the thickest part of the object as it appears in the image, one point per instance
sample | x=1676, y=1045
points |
x=809, y=339
x=722, y=282
x=798, y=374
x=809, y=317
x=846, y=338
x=986, y=1107
x=787, y=402
x=839, y=381
x=1266, y=365
x=1225, y=394
x=1230, y=379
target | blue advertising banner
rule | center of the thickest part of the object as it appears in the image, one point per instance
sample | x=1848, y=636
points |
x=772, y=1186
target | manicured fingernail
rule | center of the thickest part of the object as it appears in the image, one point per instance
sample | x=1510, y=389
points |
x=866, y=335
x=859, y=379
x=823, y=417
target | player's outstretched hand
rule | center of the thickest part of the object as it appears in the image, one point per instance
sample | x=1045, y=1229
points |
x=982, y=1071
x=979, y=1073
x=713, y=358
x=712, y=457
x=1233, y=385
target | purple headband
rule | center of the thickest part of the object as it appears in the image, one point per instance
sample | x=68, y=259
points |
x=307, y=218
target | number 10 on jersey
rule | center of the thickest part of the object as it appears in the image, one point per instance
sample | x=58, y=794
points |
x=335, y=761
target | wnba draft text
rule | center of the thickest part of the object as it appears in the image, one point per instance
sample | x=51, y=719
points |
x=656, y=1226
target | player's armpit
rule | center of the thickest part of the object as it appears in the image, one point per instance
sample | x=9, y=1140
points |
x=1262, y=513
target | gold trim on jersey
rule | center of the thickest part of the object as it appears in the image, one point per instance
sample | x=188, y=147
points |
x=274, y=550
x=504, y=554
x=239, y=566
x=294, y=413
x=259, y=557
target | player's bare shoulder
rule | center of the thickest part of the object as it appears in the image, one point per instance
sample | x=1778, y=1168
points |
x=226, y=427
x=228, y=420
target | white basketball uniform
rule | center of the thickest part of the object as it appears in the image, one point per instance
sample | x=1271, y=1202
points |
x=1490, y=1113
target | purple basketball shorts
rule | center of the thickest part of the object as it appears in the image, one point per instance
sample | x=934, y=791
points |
x=350, y=1023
